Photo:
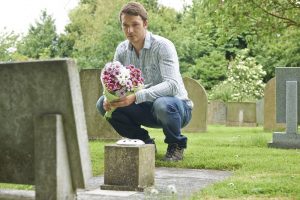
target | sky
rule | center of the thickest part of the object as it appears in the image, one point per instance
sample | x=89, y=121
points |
x=176, y=4
x=17, y=15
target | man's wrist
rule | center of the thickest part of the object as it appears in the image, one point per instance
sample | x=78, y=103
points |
x=140, y=96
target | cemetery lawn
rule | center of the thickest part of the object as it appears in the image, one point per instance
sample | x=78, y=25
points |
x=259, y=172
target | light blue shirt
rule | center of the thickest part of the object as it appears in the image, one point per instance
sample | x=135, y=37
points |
x=159, y=64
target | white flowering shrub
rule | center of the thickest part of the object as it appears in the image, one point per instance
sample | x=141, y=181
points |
x=244, y=80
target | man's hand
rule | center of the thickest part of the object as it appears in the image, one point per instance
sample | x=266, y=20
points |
x=122, y=102
x=106, y=105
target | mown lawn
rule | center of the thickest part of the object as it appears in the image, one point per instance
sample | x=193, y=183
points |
x=259, y=172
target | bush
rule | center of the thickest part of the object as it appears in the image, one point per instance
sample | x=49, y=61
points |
x=244, y=82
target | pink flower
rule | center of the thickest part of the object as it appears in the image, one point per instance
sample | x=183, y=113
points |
x=119, y=80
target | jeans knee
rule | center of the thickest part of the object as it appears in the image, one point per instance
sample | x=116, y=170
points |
x=162, y=109
x=99, y=105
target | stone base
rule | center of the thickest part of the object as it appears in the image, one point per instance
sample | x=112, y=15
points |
x=129, y=168
x=285, y=141
x=122, y=188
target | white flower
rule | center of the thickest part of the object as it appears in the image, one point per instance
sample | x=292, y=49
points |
x=231, y=184
x=172, y=189
x=124, y=76
x=154, y=191
x=11, y=49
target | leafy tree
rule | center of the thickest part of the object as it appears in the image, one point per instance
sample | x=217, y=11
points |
x=65, y=45
x=263, y=16
x=281, y=50
x=208, y=35
x=254, y=24
x=209, y=69
x=41, y=40
x=94, y=31
x=8, y=42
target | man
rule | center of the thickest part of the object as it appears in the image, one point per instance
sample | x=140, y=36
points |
x=163, y=103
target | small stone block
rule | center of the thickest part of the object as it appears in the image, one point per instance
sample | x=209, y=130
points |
x=286, y=141
x=129, y=168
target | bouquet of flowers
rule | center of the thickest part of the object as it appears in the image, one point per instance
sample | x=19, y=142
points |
x=119, y=81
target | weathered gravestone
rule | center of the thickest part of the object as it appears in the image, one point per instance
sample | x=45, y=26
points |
x=217, y=112
x=287, y=107
x=241, y=114
x=97, y=126
x=260, y=112
x=43, y=138
x=270, y=123
x=198, y=95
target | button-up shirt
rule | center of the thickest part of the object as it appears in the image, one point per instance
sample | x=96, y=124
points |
x=159, y=64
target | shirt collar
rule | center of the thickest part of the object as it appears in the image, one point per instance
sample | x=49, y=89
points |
x=147, y=43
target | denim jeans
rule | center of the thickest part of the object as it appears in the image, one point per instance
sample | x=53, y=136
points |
x=168, y=113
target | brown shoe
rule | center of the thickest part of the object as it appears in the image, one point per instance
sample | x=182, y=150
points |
x=174, y=153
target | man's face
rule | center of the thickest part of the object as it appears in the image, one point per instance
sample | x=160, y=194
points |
x=134, y=28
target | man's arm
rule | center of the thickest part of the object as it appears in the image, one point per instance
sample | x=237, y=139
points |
x=169, y=69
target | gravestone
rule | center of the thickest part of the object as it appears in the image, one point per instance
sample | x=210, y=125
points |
x=260, y=112
x=97, y=126
x=198, y=95
x=270, y=123
x=241, y=114
x=43, y=137
x=128, y=168
x=217, y=112
x=287, y=107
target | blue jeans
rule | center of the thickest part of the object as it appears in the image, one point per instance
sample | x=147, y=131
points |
x=168, y=113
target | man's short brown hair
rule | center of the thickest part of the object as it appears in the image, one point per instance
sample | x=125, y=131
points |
x=134, y=8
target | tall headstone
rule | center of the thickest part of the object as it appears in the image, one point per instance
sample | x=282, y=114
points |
x=31, y=90
x=198, y=95
x=287, y=105
x=97, y=126
x=270, y=123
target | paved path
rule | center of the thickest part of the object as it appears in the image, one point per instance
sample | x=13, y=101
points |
x=170, y=183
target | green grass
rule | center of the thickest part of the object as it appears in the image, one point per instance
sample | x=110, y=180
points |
x=259, y=172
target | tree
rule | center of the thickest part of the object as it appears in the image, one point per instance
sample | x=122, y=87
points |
x=96, y=30
x=264, y=16
x=210, y=69
x=41, y=40
x=8, y=42
x=268, y=28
